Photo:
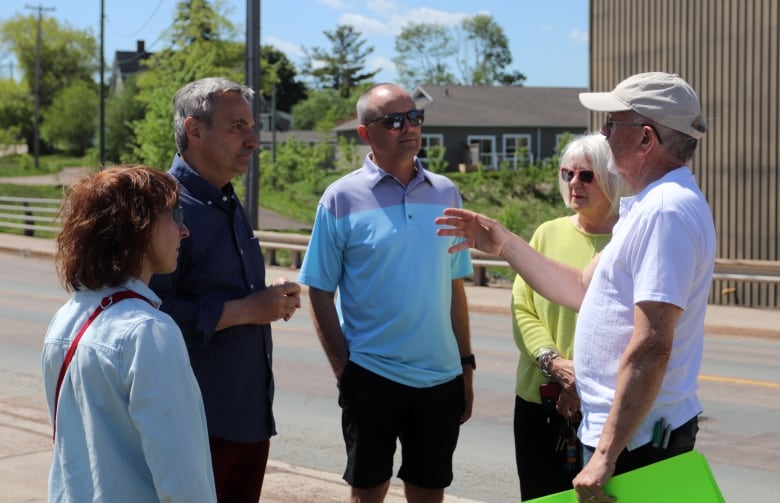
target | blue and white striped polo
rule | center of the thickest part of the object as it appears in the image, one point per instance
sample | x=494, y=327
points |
x=375, y=241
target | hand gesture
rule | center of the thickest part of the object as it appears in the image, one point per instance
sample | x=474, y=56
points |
x=477, y=230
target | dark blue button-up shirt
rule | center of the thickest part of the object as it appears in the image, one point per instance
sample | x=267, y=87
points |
x=220, y=261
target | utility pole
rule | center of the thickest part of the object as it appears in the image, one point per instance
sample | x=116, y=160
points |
x=36, y=124
x=102, y=121
x=252, y=177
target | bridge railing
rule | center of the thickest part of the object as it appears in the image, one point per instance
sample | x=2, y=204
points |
x=39, y=215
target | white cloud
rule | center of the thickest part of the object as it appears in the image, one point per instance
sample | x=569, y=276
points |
x=383, y=64
x=291, y=49
x=365, y=25
x=388, y=17
x=578, y=36
x=427, y=15
x=333, y=4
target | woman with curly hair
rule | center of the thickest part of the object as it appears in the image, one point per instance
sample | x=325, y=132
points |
x=126, y=409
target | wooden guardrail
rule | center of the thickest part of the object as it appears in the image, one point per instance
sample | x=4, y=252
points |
x=29, y=214
x=38, y=214
x=767, y=271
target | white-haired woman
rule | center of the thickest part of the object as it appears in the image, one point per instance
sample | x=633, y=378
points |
x=546, y=403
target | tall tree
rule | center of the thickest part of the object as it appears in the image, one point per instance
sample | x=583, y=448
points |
x=70, y=122
x=67, y=55
x=423, y=53
x=278, y=71
x=191, y=56
x=16, y=109
x=343, y=67
x=485, y=55
x=200, y=21
x=122, y=109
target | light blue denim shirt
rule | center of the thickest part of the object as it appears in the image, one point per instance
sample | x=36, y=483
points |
x=130, y=419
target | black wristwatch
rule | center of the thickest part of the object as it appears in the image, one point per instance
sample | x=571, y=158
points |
x=469, y=360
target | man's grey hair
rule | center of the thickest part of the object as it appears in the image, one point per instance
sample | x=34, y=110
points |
x=676, y=143
x=198, y=99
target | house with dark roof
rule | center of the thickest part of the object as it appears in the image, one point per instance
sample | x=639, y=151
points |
x=497, y=127
x=127, y=63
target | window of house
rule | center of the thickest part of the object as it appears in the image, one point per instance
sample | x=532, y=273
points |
x=483, y=150
x=517, y=150
x=428, y=141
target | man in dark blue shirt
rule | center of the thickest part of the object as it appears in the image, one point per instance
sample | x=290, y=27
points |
x=218, y=294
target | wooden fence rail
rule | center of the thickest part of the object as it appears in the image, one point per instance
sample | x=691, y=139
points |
x=29, y=214
x=37, y=214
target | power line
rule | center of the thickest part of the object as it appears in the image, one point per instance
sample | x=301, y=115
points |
x=143, y=25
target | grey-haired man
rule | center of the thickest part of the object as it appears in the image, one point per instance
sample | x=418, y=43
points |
x=642, y=300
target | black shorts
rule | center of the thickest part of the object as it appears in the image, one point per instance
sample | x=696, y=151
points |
x=377, y=412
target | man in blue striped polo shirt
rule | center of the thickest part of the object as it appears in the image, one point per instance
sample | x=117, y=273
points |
x=397, y=333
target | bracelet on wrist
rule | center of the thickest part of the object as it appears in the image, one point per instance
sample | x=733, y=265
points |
x=544, y=361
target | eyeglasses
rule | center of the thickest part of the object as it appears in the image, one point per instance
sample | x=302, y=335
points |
x=178, y=215
x=611, y=122
x=396, y=121
x=585, y=176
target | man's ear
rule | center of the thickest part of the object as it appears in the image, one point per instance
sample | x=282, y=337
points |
x=362, y=131
x=649, y=136
x=192, y=127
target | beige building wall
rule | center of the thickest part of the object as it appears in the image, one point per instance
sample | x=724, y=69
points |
x=729, y=51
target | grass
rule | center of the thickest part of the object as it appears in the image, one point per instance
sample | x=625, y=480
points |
x=520, y=199
x=24, y=164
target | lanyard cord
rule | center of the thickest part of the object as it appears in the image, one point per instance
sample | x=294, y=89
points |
x=105, y=303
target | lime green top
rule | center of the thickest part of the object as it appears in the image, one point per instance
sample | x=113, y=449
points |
x=538, y=323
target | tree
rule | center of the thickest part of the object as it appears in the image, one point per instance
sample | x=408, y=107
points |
x=323, y=109
x=485, y=53
x=16, y=108
x=70, y=122
x=343, y=68
x=190, y=57
x=66, y=56
x=199, y=21
x=423, y=53
x=277, y=70
x=122, y=109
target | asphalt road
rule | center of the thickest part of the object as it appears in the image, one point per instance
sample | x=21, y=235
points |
x=739, y=385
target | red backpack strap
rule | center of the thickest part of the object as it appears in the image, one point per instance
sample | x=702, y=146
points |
x=105, y=303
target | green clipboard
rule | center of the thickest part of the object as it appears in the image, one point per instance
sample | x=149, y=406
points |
x=681, y=479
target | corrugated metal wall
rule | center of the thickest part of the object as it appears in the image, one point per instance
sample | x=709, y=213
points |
x=729, y=51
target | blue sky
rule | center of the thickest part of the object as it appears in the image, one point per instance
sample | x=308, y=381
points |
x=548, y=38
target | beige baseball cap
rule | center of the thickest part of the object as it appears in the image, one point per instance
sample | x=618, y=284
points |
x=662, y=97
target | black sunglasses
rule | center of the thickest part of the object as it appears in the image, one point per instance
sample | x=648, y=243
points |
x=178, y=215
x=396, y=121
x=585, y=176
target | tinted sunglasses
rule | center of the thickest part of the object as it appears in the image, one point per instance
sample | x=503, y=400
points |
x=611, y=122
x=178, y=215
x=585, y=176
x=396, y=121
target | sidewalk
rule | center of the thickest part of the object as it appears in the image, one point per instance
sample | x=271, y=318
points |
x=25, y=447
x=733, y=320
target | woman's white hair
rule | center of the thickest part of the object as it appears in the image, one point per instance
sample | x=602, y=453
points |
x=594, y=149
